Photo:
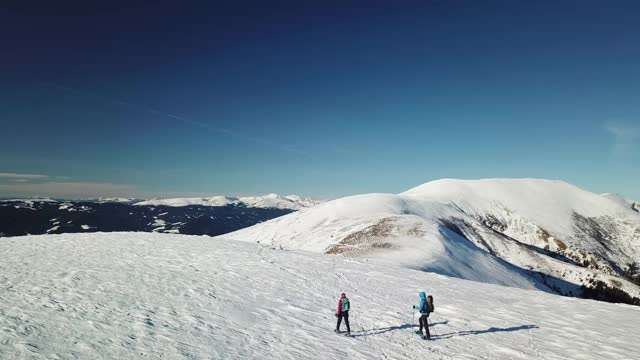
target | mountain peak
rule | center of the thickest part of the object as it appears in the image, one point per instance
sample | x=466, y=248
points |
x=472, y=228
x=457, y=184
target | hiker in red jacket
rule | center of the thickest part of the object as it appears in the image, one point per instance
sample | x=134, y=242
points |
x=343, y=312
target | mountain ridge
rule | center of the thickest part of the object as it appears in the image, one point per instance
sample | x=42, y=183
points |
x=292, y=202
x=566, y=237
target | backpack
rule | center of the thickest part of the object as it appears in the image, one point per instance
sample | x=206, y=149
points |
x=345, y=304
x=429, y=304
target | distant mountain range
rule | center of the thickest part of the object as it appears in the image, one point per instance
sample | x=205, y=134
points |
x=271, y=201
x=194, y=216
x=527, y=233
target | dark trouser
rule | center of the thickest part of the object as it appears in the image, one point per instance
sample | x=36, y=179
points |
x=424, y=322
x=345, y=315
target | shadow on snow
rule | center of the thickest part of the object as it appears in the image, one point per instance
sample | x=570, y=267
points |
x=435, y=336
x=391, y=328
x=489, y=330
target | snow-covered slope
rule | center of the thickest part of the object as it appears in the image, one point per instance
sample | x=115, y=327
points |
x=618, y=198
x=151, y=296
x=562, y=235
x=292, y=202
x=562, y=210
x=381, y=225
x=635, y=205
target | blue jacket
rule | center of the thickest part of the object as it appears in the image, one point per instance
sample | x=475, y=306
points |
x=423, y=304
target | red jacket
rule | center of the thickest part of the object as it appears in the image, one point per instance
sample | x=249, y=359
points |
x=340, y=305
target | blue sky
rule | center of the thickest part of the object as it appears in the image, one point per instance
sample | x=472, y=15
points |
x=322, y=99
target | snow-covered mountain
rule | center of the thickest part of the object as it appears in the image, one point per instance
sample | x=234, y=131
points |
x=271, y=201
x=116, y=200
x=153, y=296
x=211, y=216
x=623, y=201
x=574, y=241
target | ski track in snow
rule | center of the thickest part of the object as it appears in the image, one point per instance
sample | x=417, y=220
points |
x=148, y=296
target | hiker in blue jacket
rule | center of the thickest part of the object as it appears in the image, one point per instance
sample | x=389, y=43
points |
x=425, y=308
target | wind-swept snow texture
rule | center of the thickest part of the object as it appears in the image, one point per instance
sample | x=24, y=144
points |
x=150, y=296
x=546, y=230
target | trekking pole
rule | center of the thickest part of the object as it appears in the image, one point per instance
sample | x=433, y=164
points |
x=434, y=329
x=413, y=318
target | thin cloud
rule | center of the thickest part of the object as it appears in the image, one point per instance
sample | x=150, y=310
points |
x=183, y=119
x=84, y=190
x=70, y=190
x=626, y=140
x=23, y=176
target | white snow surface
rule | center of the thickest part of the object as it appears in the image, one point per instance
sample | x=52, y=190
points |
x=623, y=201
x=142, y=295
x=408, y=229
x=158, y=224
x=66, y=206
x=618, y=198
x=548, y=202
x=292, y=202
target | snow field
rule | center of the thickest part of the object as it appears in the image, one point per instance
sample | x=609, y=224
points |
x=142, y=295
